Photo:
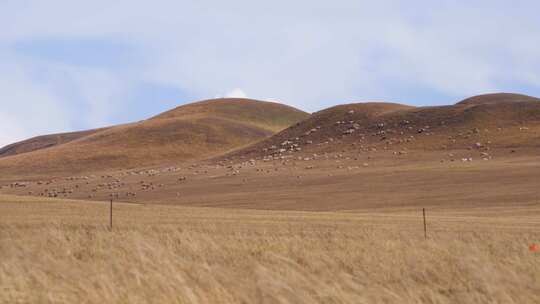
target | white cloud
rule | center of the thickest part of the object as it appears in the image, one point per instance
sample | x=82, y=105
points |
x=236, y=93
x=37, y=98
x=309, y=54
x=27, y=107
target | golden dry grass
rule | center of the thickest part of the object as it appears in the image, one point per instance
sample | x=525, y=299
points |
x=60, y=251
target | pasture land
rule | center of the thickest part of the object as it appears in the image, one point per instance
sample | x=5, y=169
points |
x=61, y=251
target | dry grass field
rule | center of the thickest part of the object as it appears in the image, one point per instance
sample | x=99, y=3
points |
x=61, y=251
x=333, y=182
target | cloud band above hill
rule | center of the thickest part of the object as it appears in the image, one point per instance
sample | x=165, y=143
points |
x=72, y=65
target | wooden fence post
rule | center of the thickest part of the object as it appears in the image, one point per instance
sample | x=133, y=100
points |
x=425, y=225
x=110, y=215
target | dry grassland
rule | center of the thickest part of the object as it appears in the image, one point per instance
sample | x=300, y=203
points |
x=54, y=251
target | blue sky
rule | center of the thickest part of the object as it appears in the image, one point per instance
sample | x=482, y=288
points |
x=70, y=65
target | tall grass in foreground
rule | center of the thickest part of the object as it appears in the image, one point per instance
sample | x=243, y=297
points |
x=230, y=263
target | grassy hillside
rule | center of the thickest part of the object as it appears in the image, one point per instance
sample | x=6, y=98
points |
x=43, y=142
x=187, y=133
x=494, y=120
x=266, y=115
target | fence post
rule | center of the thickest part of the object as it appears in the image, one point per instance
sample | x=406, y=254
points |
x=425, y=226
x=110, y=215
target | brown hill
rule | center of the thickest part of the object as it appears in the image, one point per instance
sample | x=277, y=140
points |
x=493, y=120
x=43, y=142
x=189, y=132
x=266, y=115
x=496, y=99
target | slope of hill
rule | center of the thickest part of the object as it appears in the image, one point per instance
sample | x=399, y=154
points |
x=189, y=132
x=43, y=142
x=497, y=98
x=266, y=115
x=492, y=120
